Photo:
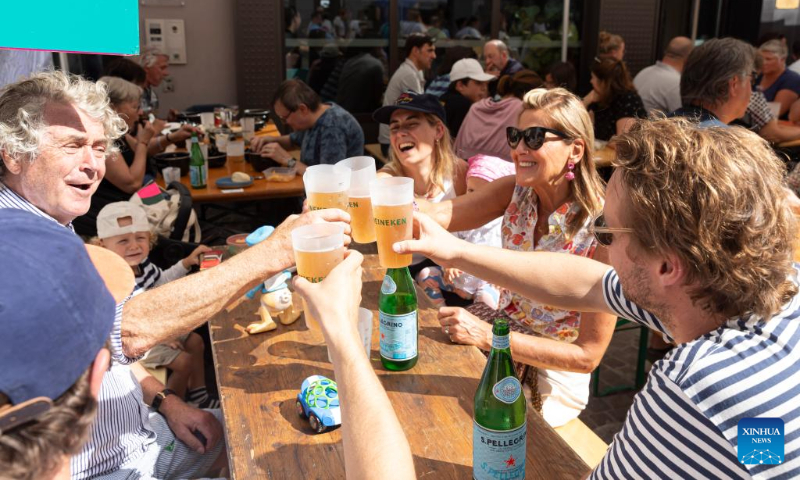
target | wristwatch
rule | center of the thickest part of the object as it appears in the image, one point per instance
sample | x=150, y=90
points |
x=291, y=162
x=160, y=396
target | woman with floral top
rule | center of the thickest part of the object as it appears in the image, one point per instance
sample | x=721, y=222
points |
x=548, y=206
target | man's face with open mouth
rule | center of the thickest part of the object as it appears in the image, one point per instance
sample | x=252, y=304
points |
x=69, y=165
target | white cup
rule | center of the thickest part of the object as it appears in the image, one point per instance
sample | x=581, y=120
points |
x=207, y=120
x=222, y=142
x=364, y=330
x=248, y=127
x=171, y=174
x=236, y=149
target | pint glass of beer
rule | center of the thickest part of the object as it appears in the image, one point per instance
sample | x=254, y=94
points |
x=327, y=186
x=392, y=207
x=359, y=206
x=318, y=248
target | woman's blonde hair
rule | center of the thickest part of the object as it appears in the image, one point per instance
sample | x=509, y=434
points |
x=608, y=43
x=566, y=112
x=444, y=158
x=715, y=198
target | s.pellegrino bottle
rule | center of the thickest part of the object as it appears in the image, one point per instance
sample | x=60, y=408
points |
x=397, y=312
x=499, y=425
x=197, y=165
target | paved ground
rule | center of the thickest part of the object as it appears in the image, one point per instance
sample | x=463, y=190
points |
x=605, y=415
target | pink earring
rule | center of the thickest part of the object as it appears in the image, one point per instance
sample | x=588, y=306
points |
x=570, y=175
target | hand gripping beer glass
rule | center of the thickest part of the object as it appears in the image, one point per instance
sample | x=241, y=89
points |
x=360, y=204
x=327, y=186
x=318, y=248
x=392, y=209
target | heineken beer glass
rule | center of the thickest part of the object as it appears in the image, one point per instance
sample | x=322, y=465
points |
x=392, y=209
x=359, y=205
x=327, y=186
x=318, y=248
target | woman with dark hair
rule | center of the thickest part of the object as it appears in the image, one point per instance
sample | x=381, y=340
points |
x=563, y=75
x=613, y=102
x=484, y=128
x=127, y=70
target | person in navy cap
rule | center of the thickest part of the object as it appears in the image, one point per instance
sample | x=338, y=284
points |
x=421, y=148
x=52, y=350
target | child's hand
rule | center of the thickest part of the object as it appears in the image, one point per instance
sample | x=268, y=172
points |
x=450, y=274
x=194, y=257
x=175, y=344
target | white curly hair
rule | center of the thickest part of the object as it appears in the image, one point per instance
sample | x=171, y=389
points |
x=22, y=106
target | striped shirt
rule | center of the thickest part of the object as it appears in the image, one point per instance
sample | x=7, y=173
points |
x=683, y=424
x=151, y=276
x=121, y=432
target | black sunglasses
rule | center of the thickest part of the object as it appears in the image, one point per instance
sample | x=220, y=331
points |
x=534, y=136
x=605, y=234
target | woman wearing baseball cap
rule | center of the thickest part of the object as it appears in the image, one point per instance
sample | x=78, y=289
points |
x=422, y=149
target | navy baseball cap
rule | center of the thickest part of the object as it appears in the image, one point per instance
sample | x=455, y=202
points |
x=56, y=312
x=416, y=102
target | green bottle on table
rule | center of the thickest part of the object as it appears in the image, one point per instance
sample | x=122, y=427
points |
x=499, y=424
x=197, y=165
x=397, y=312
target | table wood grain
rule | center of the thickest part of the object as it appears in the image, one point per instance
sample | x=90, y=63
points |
x=259, y=378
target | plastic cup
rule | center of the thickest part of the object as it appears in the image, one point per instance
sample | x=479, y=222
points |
x=364, y=330
x=359, y=206
x=318, y=248
x=235, y=153
x=392, y=209
x=327, y=186
x=248, y=128
x=207, y=120
x=171, y=174
x=222, y=142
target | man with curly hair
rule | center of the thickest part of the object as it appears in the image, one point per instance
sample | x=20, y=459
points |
x=699, y=234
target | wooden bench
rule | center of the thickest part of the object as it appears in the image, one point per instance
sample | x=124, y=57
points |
x=583, y=441
x=374, y=151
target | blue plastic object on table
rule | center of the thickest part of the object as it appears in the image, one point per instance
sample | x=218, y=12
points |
x=226, y=182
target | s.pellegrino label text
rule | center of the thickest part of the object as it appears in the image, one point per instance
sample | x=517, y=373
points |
x=498, y=454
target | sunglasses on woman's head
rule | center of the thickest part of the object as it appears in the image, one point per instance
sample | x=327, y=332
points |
x=605, y=234
x=533, y=136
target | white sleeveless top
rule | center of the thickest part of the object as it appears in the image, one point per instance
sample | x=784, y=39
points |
x=448, y=193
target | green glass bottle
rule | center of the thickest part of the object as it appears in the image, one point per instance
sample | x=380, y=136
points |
x=499, y=423
x=397, y=311
x=197, y=165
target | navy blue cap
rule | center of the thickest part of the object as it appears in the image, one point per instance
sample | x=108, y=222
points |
x=55, y=310
x=416, y=102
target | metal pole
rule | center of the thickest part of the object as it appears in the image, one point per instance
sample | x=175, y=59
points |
x=64, y=61
x=695, y=18
x=565, y=31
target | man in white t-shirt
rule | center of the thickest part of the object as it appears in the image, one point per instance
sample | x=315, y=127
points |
x=699, y=233
x=409, y=76
x=659, y=85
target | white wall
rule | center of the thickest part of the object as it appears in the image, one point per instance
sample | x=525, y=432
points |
x=209, y=75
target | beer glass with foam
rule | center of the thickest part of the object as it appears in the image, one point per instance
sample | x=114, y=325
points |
x=392, y=207
x=327, y=186
x=318, y=248
x=359, y=204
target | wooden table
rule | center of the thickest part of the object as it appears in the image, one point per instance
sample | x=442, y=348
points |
x=604, y=156
x=260, y=190
x=259, y=378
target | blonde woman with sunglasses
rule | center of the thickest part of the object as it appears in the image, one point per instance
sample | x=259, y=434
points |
x=549, y=205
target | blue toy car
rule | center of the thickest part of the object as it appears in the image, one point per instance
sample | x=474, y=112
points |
x=318, y=401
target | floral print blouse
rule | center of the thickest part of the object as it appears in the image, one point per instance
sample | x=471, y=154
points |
x=519, y=223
